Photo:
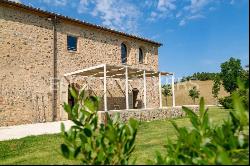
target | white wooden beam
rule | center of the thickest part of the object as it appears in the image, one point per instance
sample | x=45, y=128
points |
x=85, y=70
x=126, y=86
x=144, y=89
x=173, y=94
x=160, y=92
x=105, y=88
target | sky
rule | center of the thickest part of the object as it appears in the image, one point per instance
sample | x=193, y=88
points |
x=197, y=35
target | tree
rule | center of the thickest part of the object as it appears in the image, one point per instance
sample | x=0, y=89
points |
x=166, y=91
x=230, y=71
x=216, y=87
x=194, y=93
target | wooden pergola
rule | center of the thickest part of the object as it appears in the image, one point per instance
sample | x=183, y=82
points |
x=104, y=71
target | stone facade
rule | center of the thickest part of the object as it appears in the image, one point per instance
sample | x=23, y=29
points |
x=28, y=61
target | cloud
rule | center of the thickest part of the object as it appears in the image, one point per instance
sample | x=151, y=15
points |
x=232, y=2
x=164, y=5
x=116, y=14
x=56, y=2
x=182, y=22
x=195, y=10
x=83, y=6
x=194, y=17
x=178, y=14
x=197, y=5
x=212, y=8
x=162, y=9
x=17, y=1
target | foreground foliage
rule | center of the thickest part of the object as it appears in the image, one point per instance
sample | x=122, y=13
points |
x=110, y=143
x=206, y=143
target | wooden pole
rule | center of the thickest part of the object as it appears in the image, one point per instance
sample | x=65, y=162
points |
x=145, y=89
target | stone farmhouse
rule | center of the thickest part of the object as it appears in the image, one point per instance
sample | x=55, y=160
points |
x=43, y=53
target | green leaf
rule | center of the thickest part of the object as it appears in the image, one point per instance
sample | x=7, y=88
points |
x=175, y=126
x=77, y=151
x=205, y=121
x=67, y=107
x=223, y=158
x=91, y=104
x=73, y=92
x=192, y=116
x=83, y=138
x=65, y=150
x=62, y=127
x=82, y=94
x=202, y=106
x=87, y=132
x=75, y=110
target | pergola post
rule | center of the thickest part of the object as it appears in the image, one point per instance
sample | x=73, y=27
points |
x=105, y=87
x=126, y=86
x=160, y=92
x=173, y=95
x=144, y=89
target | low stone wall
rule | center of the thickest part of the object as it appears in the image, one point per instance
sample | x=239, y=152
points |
x=148, y=114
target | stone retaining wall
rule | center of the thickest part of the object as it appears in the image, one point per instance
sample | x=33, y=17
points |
x=148, y=114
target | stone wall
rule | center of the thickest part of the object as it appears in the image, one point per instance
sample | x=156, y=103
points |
x=26, y=65
x=148, y=114
x=26, y=60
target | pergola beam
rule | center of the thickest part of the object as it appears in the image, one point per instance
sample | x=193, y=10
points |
x=126, y=86
x=173, y=95
x=85, y=70
x=144, y=89
x=160, y=92
x=105, y=87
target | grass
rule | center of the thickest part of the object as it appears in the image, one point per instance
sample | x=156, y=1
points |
x=45, y=149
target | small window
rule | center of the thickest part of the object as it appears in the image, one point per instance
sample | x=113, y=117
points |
x=141, y=56
x=71, y=43
x=124, y=53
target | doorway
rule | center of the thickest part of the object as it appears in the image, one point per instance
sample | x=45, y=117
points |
x=135, y=92
x=71, y=100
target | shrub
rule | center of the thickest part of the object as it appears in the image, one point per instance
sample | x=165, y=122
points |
x=166, y=91
x=110, y=143
x=242, y=90
x=226, y=102
x=216, y=87
x=194, y=93
x=206, y=143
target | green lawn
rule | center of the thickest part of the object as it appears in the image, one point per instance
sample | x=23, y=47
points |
x=45, y=149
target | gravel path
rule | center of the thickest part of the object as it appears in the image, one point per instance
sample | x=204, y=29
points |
x=20, y=131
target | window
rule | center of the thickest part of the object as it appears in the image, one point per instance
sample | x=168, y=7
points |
x=141, y=56
x=71, y=43
x=124, y=53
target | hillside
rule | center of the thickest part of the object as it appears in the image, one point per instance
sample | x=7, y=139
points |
x=205, y=88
